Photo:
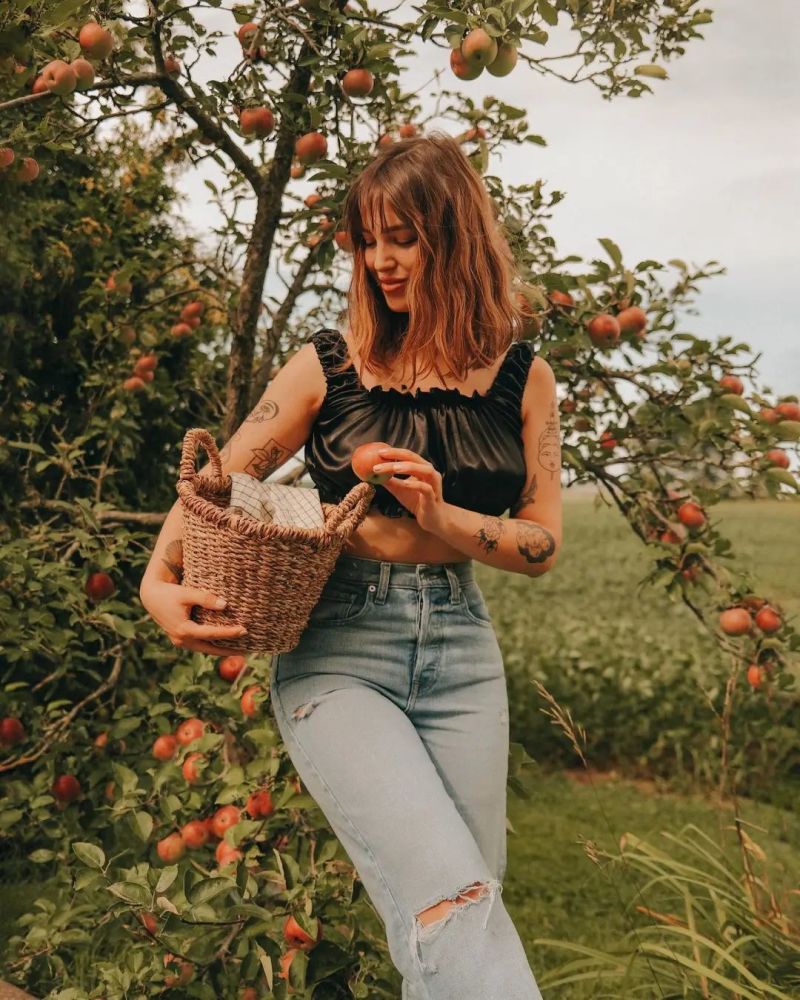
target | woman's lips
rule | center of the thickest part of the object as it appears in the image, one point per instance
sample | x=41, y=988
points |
x=392, y=286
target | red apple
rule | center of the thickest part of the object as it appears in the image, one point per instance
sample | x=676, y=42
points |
x=256, y=121
x=343, y=240
x=11, y=731
x=6, y=157
x=248, y=703
x=84, y=73
x=171, y=848
x=691, y=514
x=180, y=330
x=172, y=66
x=66, y=788
x=194, y=834
x=604, y=330
x=777, y=456
x=358, y=82
x=311, y=147
x=297, y=170
x=149, y=922
x=735, y=621
x=561, y=299
x=190, y=769
x=365, y=457
x=479, y=48
x=224, y=818
x=59, y=77
x=183, y=976
x=731, y=383
x=768, y=619
x=26, y=171
x=463, y=69
x=133, y=384
x=407, y=130
x=165, y=747
x=99, y=586
x=96, y=42
x=189, y=731
x=504, y=61
x=226, y=853
x=192, y=310
x=293, y=934
x=145, y=365
x=231, y=666
x=632, y=320
x=788, y=410
x=286, y=961
x=755, y=675
x=608, y=441
x=259, y=804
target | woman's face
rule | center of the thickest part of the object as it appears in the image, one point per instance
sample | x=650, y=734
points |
x=391, y=255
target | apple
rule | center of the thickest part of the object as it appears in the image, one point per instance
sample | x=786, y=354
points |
x=293, y=934
x=190, y=769
x=777, y=456
x=172, y=66
x=256, y=121
x=6, y=157
x=11, y=731
x=99, y=586
x=183, y=977
x=735, y=621
x=189, y=731
x=788, y=410
x=259, y=804
x=632, y=320
x=195, y=834
x=145, y=365
x=96, y=41
x=110, y=791
x=462, y=69
x=248, y=703
x=39, y=86
x=286, y=961
x=249, y=993
x=123, y=287
x=387, y=139
x=343, y=240
x=171, y=848
x=297, y=170
x=561, y=298
x=59, y=77
x=133, y=384
x=479, y=48
x=100, y=741
x=504, y=61
x=28, y=170
x=66, y=788
x=691, y=514
x=768, y=620
x=181, y=330
x=476, y=132
x=224, y=818
x=407, y=130
x=165, y=747
x=731, y=383
x=226, y=853
x=608, y=441
x=149, y=922
x=247, y=34
x=192, y=310
x=755, y=675
x=231, y=666
x=84, y=73
x=604, y=330
x=358, y=82
x=311, y=147
x=365, y=457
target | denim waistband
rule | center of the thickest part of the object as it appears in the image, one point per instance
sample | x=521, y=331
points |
x=385, y=573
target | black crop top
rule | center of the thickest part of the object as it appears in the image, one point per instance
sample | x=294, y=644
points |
x=474, y=441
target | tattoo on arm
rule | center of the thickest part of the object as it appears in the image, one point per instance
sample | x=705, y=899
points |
x=534, y=542
x=265, y=409
x=527, y=496
x=489, y=533
x=173, y=558
x=548, y=455
x=267, y=459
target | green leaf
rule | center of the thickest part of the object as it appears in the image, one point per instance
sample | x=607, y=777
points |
x=142, y=824
x=782, y=476
x=90, y=854
x=27, y=446
x=63, y=11
x=612, y=250
x=209, y=888
x=734, y=400
x=131, y=892
x=42, y=855
x=788, y=430
x=166, y=878
x=10, y=817
x=548, y=12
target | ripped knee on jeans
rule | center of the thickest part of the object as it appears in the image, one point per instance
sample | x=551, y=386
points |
x=441, y=913
x=303, y=711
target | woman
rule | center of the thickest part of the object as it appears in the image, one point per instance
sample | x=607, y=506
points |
x=393, y=706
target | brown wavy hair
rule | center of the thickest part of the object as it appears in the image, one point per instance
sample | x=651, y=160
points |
x=462, y=306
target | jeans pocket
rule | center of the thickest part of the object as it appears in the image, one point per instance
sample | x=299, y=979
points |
x=473, y=604
x=340, y=603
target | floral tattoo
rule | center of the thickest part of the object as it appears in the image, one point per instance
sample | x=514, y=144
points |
x=489, y=533
x=534, y=542
x=173, y=558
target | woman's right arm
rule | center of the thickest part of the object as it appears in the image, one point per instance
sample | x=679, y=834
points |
x=278, y=426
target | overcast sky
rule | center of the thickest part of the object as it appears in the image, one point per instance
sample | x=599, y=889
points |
x=705, y=168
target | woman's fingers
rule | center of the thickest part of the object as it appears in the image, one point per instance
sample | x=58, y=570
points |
x=194, y=631
x=206, y=647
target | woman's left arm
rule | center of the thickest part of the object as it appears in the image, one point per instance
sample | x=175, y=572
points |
x=530, y=539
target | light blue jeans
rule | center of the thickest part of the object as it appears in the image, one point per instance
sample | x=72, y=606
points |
x=394, y=712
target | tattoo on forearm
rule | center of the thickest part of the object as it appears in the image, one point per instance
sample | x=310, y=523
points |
x=534, y=542
x=527, y=496
x=548, y=454
x=489, y=533
x=173, y=558
x=265, y=409
x=267, y=459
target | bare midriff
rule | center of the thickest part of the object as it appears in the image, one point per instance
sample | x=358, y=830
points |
x=399, y=539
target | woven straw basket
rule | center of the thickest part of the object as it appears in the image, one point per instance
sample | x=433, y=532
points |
x=271, y=575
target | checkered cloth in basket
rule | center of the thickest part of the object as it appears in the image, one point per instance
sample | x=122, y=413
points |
x=275, y=503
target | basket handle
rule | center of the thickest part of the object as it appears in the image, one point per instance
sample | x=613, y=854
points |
x=194, y=437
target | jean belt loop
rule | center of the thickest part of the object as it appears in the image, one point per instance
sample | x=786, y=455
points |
x=383, y=582
x=455, y=584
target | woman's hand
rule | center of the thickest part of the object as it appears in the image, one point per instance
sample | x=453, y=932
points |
x=422, y=493
x=170, y=605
